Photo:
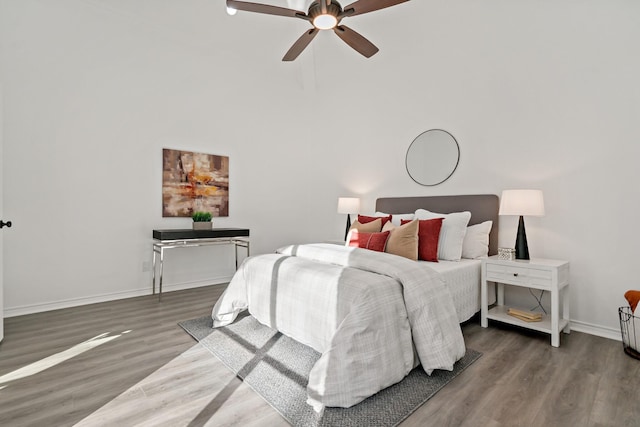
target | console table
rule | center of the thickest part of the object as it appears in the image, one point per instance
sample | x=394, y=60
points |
x=188, y=238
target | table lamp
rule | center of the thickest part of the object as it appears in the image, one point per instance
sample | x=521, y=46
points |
x=348, y=205
x=522, y=202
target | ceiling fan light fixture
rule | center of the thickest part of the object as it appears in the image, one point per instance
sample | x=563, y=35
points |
x=231, y=11
x=325, y=22
x=322, y=15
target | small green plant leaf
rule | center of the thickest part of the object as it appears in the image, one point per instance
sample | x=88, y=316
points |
x=200, y=216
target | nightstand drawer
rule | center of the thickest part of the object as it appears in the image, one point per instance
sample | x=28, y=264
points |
x=519, y=275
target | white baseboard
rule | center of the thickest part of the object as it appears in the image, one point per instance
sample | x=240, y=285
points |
x=587, y=328
x=600, y=331
x=74, y=302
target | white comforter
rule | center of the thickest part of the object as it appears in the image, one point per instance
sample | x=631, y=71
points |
x=362, y=310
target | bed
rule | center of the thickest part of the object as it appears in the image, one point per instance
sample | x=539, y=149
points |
x=462, y=277
x=463, y=280
x=372, y=316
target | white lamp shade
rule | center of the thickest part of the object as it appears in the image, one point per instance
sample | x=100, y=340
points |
x=522, y=202
x=348, y=205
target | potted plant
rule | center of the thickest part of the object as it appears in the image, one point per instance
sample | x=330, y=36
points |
x=202, y=220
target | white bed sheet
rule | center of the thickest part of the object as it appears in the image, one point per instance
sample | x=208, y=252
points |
x=463, y=280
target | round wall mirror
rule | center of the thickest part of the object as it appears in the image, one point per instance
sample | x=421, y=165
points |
x=432, y=157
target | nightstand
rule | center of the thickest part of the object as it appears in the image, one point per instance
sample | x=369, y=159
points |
x=543, y=274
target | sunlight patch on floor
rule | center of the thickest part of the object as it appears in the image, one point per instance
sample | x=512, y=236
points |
x=58, y=358
x=176, y=394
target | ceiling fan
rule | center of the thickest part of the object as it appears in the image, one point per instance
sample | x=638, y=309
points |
x=323, y=15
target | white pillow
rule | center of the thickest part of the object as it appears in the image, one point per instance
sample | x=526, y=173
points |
x=396, y=218
x=454, y=227
x=476, y=240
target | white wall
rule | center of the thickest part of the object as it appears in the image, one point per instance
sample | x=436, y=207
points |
x=539, y=94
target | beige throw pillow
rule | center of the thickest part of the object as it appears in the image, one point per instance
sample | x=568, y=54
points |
x=403, y=240
x=369, y=227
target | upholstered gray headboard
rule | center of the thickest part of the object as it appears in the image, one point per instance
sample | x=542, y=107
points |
x=483, y=207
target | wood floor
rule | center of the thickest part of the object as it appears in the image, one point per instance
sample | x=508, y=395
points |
x=127, y=363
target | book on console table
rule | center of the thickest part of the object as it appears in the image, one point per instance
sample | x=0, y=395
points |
x=527, y=316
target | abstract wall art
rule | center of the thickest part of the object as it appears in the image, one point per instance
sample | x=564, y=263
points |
x=194, y=182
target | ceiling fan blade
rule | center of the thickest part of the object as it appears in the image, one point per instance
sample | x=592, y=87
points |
x=365, y=6
x=265, y=8
x=300, y=45
x=356, y=41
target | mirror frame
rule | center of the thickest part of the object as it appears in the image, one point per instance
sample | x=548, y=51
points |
x=416, y=139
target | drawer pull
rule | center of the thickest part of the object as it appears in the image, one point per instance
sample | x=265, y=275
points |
x=515, y=274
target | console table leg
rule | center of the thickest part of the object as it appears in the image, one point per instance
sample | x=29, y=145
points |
x=235, y=245
x=244, y=244
x=161, y=270
x=153, y=272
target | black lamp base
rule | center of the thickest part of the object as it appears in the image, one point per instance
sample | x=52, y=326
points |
x=346, y=231
x=522, y=249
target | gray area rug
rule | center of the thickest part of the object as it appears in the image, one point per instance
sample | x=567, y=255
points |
x=277, y=368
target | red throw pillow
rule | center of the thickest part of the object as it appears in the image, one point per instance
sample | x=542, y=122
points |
x=363, y=219
x=372, y=241
x=428, y=234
